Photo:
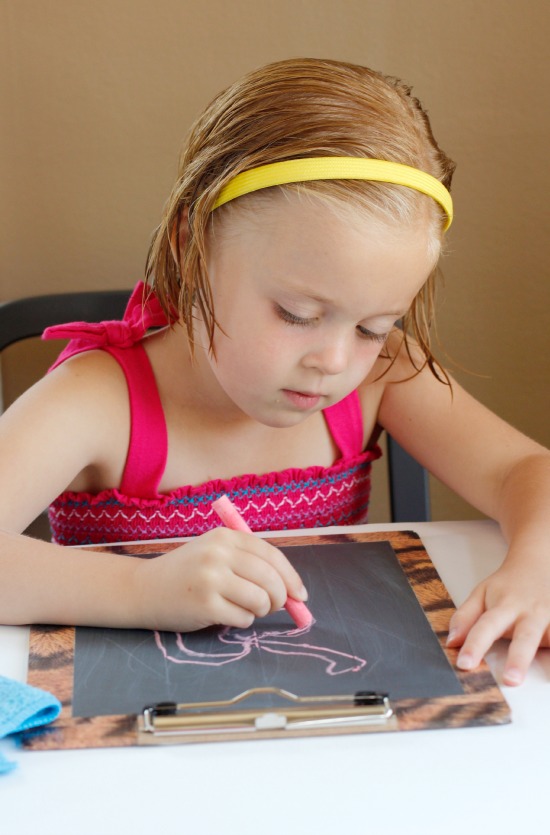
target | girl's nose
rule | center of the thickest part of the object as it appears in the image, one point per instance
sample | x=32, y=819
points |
x=330, y=358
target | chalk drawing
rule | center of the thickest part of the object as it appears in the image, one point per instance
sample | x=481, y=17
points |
x=277, y=641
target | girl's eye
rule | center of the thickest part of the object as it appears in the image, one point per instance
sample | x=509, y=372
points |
x=373, y=337
x=364, y=333
x=287, y=316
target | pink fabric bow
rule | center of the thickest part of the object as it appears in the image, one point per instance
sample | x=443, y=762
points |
x=142, y=313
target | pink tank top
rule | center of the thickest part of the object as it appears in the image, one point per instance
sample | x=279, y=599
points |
x=293, y=498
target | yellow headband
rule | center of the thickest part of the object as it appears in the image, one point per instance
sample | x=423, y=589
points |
x=337, y=168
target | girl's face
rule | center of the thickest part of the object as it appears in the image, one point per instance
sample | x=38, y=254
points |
x=305, y=301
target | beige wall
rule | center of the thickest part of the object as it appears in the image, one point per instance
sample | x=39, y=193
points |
x=96, y=97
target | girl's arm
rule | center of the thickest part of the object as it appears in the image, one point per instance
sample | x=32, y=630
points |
x=53, y=433
x=223, y=576
x=72, y=428
x=506, y=476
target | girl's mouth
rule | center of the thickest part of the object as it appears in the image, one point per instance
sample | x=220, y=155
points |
x=302, y=400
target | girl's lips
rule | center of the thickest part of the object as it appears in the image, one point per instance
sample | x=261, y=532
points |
x=302, y=400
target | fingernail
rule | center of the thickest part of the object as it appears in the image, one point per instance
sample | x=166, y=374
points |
x=303, y=593
x=465, y=661
x=452, y=635
x=513, y=676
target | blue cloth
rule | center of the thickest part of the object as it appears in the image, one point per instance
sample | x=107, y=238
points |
x=23, y=707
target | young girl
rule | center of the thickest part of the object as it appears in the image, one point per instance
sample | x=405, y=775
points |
x=307, y=219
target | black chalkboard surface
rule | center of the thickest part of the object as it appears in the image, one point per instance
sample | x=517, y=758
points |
x=381, y=622
x=370, y=633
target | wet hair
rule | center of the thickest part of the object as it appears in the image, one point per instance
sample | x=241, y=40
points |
x=286, y=110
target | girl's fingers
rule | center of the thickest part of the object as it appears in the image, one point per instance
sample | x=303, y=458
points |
x=274, y=558
x=229, y=613
x=248, y=571
x=527, y=637
x=255, y=587
x=489, y=628
x=488, y=615
x=494, y=624
x=465, y=617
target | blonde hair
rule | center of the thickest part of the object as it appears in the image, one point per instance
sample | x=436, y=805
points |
x=286, y=110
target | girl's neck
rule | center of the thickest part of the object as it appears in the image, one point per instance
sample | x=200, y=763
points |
x=188, y=382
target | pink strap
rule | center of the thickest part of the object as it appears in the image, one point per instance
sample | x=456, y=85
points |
x=148, y=447
x=345, y=423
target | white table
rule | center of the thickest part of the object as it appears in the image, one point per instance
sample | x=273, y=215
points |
x=475, y=780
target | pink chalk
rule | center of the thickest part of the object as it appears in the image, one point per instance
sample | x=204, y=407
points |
x=229, y=514
x=299, y=612
x=231, y=518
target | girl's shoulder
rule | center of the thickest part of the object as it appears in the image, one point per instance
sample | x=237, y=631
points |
x=86, y=398
x=72, y=425
x=92, y=374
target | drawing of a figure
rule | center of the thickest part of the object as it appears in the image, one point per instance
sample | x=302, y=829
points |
x=236, y=644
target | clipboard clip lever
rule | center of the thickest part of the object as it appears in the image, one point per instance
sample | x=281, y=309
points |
x=304, y=712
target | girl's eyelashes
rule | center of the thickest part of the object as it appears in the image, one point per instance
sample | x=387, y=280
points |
x=287, y=316
x=373, y=337
x=292, y=319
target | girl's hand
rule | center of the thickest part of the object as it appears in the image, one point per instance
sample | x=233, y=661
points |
x=222, y=577
x=514, y=602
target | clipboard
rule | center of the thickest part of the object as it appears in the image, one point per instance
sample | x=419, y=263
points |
x=473, y=699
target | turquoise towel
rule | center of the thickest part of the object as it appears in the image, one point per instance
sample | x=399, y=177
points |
x=23, y=707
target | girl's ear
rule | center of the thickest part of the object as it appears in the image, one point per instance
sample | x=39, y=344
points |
x=179, y=234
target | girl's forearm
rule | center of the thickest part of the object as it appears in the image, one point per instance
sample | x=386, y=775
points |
x=45, y=583
x=524, y=506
